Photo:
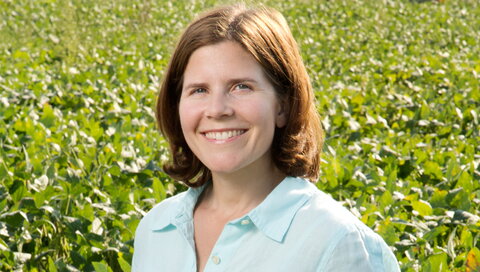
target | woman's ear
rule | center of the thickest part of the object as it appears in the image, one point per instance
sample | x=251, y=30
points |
x=281, y=118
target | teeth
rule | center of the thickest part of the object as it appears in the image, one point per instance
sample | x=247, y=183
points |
x=223, y=135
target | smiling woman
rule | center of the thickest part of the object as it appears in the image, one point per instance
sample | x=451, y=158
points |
x=265, y=37
x=237, y=108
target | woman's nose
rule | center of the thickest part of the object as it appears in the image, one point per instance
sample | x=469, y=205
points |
x=218, y=105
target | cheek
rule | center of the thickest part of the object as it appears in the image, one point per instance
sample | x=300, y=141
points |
x=263, y=113
x=183, y=114
x=188, y=116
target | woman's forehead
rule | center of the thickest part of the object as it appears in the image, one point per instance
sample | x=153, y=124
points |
x=225, y=61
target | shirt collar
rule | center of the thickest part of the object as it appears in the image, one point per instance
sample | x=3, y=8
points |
x=180, y=209
x=273, y=216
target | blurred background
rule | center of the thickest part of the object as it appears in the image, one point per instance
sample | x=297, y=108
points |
x=397, y=86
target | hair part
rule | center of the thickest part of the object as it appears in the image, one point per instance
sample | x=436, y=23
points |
x=264, y=33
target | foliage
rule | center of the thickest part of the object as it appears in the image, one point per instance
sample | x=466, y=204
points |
x=397, y=84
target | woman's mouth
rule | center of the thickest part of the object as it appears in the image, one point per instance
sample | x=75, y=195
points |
x=223, y=135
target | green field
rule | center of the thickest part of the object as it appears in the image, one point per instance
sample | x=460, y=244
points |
x=398, y=88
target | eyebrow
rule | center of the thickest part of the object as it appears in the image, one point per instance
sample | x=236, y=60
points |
x=229, y=82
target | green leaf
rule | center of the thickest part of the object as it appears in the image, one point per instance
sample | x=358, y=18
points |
x=465, y=181
x=439, y=198
x=392, y=178
x=466, y=238
x=385, y=200
x=48, y=117
x=4, y=173
x=18, y=190
x=433, y=233
x=101, y=267
x=422, y=207
x=432, y=168
x=387, y=230
x=14, y=219
x=124, y=265
x=437, y=262
x=51, y=265
x=158, y=190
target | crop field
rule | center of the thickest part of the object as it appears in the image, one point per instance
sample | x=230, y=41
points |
x=397, y=85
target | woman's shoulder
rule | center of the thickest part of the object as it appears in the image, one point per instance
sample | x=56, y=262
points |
x=332, y=217
x=316, y=210
x=322, y=207
x=346, y=234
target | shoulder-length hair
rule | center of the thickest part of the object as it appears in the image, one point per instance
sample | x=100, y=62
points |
x=264, y=33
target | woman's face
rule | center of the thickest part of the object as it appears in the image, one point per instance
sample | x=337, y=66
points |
x=228, y=109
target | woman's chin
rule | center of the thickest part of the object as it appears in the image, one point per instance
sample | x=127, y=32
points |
x=223, y=170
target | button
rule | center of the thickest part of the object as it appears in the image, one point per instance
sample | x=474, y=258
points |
x=215, y=259
x=245, y=222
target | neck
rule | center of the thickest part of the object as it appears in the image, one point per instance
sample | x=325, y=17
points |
x=235, y=194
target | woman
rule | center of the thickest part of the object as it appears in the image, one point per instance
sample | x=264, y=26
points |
x=237, y=108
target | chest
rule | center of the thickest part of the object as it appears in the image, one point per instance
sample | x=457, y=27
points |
x=207, y=230
x=238, y=247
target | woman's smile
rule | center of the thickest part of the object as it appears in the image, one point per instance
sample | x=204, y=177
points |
x=224, y=135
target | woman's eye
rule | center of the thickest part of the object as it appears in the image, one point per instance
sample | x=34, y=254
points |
x=242, y=87
x=199, y=91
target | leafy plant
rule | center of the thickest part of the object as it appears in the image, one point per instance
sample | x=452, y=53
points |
x=397, y=85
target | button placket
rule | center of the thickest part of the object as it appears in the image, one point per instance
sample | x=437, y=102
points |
x=223, y=251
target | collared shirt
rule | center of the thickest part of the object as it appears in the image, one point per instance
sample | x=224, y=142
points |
x=296, y=228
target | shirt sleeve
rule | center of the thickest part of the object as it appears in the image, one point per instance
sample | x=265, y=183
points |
x=362, y=251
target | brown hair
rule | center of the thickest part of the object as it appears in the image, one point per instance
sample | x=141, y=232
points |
x=264, y=33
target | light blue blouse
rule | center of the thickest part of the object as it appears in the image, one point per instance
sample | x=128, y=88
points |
x=296, y=228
